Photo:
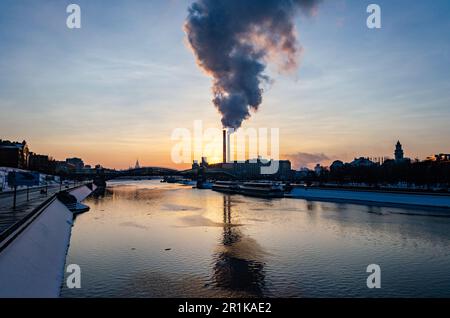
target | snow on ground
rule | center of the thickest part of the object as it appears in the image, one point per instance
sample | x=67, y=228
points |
x=54, y=180
x=33, y=264
x=81, y=193
x=376, y=197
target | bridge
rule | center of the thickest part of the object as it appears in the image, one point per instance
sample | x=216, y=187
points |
x=206, y=172
x=108, y=174
x=147, y=171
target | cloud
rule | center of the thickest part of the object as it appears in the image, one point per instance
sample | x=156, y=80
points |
x=304, y=159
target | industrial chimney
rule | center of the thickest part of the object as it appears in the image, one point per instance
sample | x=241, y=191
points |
x=229, y=131
x=224, y=146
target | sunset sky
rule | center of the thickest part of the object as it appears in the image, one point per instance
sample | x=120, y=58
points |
x=114, y=90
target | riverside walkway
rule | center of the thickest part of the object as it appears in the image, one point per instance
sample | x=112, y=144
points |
x=33, y=248
x=25, y=204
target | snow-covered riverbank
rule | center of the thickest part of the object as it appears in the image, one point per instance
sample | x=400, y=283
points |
x=32, y=264
x=425, y=200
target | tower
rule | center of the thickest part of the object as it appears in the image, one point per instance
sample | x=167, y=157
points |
x=224, y=144
x=398, y=151
x=227, y=144
x=137, y=166
x=229, y=131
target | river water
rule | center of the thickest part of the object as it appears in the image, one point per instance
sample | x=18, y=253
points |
x=152, y=239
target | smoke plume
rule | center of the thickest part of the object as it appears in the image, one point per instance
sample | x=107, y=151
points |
x=233, y=40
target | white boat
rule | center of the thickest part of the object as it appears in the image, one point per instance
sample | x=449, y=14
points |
x=263, y=189
x=226, y=186
x=259, y=189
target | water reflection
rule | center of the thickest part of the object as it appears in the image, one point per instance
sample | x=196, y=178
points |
x=150, y=239
x=239, y=266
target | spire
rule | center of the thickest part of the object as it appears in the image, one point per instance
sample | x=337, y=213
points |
x=137, y=166
x=398, y=153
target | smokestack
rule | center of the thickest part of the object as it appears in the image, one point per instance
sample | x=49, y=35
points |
x=229, y=146
x=224, y=146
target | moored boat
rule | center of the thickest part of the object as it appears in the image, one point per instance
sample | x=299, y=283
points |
x=226, y=186
x=263, y=189
x=259, y=189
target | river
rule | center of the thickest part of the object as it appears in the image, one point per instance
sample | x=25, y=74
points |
x=152, y=239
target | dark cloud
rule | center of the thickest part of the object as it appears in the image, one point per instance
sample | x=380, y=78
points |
x=234, y=39
x=303, y=159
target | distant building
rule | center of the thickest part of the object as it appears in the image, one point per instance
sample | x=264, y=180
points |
x=398, y=153
x=318, y=169
x=442, y=157
x=336, y=165
x=77, y=163
x=63, y=167
x=303, y=173
x=284, y=170
x=137, y=165
x=39, y=162
x=362, y=162
x=253, y=169
x=14, y=154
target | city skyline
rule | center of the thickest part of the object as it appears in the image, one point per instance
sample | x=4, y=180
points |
x=300, y=161
x=112, y=94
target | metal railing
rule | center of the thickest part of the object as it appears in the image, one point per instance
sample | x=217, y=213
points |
x=12, y=232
